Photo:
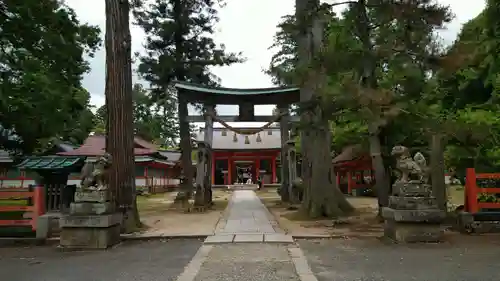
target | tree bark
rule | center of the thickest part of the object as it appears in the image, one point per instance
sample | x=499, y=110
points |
x=284, y=131
x=186, y=148
x=321, y=195
x=120, y=135
x=437, y=171
x=203, y=195
x=369, y=80
x=382, y=183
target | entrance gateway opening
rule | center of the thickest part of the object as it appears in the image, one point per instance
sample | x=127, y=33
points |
x=230, y=154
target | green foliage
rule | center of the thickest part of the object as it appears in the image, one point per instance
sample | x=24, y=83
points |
x=148, y=121
x=469, y=91
x=404, y=51
x=42, y=45
x=178, y=47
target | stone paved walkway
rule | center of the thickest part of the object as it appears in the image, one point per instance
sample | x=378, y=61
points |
x=242, y=248
x=247, y=220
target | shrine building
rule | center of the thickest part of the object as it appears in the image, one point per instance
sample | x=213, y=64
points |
x=224, y=152
x=259, y=153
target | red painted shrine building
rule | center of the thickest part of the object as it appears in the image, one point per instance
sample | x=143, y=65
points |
x=353, y=169
x=235, y=153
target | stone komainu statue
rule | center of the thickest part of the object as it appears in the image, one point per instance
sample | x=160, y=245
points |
x=94, y=176
x=408, y=167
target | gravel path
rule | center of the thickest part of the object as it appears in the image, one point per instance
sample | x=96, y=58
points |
x=363, y=260
x=248, y=262
x=131, y=261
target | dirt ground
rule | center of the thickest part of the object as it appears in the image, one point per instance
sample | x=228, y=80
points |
x=363, y=223
x=161, y=217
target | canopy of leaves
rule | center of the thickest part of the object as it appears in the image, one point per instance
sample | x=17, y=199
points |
x=148, y=122
x=404, y=51
x=42, y=48
x=178, y=47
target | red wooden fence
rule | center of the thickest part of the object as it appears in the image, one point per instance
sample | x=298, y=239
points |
x=472, y=191
x=35, y=209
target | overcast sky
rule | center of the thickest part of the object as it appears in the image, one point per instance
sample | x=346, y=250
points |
x=244, y=27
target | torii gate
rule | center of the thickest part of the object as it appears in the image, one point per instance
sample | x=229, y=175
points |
x=246, y=99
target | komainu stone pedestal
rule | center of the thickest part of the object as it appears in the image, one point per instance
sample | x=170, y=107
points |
x=92, y=222
x=413, y=214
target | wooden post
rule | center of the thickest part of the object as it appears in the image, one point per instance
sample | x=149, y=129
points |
x=437, y=171
x=471, y=191
x=284, y=131
x=257, y=168
x=230, y=170
x=213, y=170
x=292, y=169
x=39, y=205
x=349, y=182
x=273, y=170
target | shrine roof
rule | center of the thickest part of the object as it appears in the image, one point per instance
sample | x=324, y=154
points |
x=270, y=139
x=221, y=95
x=49, y=162
x=96, y=145
x=142, y=159
x=350, y=153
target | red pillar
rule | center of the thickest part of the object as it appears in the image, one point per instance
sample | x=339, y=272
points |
x=471, y=191
x=230, y=169
x=257, y=168
x=213, y=168
x=273, y=169
x=146, y=176
x=349, y=182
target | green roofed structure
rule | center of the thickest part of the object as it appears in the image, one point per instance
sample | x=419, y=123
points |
x=51, y=163
x=219, y=95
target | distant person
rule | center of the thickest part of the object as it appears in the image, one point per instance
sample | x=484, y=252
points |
x=259, y=182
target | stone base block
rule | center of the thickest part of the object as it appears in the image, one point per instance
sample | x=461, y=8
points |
x=91, y=220
x=483, y=227
x=414, y=216
x=48, y=225
x=413, y=233
x=412, y=203
x=90, y=238
x=92, y=196
x=411, y=189
x=87, y=208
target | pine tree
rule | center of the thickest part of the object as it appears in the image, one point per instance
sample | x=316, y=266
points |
x=179, y=47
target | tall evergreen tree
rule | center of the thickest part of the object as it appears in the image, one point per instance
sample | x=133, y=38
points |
x=179, y=47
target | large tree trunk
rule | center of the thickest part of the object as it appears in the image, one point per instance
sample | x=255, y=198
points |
x=284, y=132
x=186, y=148
x=321, y=195
x=437, y=171
x=120, y=135
x=382, y=184
x=369, y=80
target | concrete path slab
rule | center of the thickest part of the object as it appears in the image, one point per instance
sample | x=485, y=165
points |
x=249, y=238
x=248, y=220
x=221, y=238
x=278, y=238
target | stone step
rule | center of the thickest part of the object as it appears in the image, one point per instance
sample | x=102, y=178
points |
x=243, y=187
x=249, y=238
